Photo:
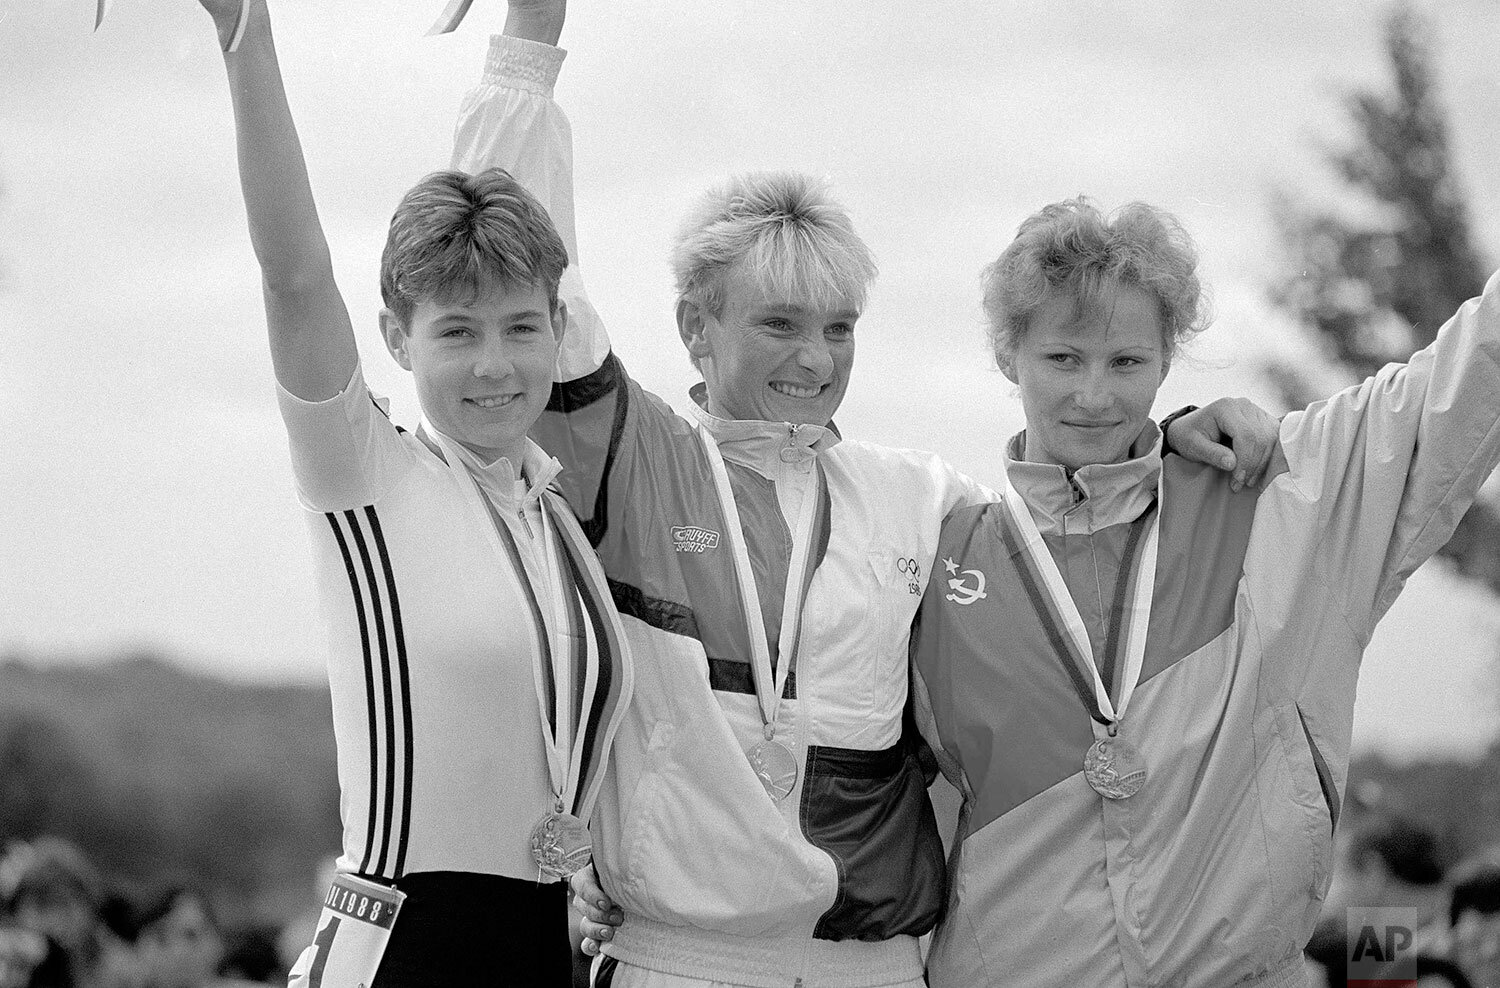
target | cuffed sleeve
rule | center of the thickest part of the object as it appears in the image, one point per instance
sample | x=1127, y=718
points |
x=510, y=121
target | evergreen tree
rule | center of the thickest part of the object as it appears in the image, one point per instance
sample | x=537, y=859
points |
x=1376, y=279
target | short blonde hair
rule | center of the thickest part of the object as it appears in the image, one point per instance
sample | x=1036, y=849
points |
x=783, y=231
x=1074, y=248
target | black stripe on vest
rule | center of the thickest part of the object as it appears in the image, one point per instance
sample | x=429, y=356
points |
x=664, y=615
x=366, y=585
x=734, y=676
x=364, y=643
x=405, y=673
x=571, y=396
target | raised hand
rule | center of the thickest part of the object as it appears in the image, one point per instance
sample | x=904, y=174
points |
x=230, y=18
x=536, y=20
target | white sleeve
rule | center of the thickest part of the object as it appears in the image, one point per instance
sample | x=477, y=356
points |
x=1383, y=471
x=510, y=121
x=345, y=452
x=958, y=489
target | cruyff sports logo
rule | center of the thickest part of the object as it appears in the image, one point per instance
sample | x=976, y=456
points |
x=962, y=592
x=691, y=538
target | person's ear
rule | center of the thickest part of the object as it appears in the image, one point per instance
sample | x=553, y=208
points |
x=393, y=331
x=692, y=324
x=559, y=320
x=1007, y=364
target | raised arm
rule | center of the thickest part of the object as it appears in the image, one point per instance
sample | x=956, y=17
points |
x=312, y=342
x=1382, y=472
x=510, y=121
x=536, y=20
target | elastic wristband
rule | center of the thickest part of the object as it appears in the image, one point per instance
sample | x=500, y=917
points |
x=450, y=17
x=1166, y=425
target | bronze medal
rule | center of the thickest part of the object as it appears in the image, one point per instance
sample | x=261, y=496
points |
x=561, y=844
x=1114, y=769
x=775, y=766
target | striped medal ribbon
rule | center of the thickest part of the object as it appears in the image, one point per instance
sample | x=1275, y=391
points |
x=581, y=702
x=774, y=763
x=1114, y=767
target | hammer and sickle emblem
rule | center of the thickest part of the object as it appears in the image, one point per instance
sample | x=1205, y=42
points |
x=962, y=592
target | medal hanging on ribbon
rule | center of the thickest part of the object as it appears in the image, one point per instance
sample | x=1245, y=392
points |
x=560, y=841
x=774, y=764
x=1113, y=767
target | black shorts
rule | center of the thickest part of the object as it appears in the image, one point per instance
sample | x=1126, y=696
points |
x=461, y=928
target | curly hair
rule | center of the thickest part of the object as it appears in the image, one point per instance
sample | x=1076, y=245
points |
x=1074, y=247
x=455, y=234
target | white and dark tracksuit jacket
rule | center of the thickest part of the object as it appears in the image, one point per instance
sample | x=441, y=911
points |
x=833, y=884
x=1214, y=873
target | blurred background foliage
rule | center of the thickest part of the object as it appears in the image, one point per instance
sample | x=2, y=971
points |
x=1373, y=274
x=157, y=771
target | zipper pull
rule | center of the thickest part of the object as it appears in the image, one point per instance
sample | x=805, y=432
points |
x=521, y=513
x=790, y=452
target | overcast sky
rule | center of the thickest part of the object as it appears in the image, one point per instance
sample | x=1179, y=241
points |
x=145, y=498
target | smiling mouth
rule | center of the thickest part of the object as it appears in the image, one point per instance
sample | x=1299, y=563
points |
x=795, y=390
x=496, y=402
x=1092, y=426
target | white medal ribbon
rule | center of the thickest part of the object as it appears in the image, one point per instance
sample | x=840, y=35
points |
x=449, y=19
x=563, y=759
x=1137, y=616
x=564, y=744
x=238, y=34
x=768, y=689
x=101, y=10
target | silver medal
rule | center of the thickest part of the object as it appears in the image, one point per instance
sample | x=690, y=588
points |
x=775, y=766
x=1114, y=769
x=561, y=844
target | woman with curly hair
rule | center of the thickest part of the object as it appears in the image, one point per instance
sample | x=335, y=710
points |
x=1141, y=678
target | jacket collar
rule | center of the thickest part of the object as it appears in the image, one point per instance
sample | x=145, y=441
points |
x=1096, y=496
x=759, y=443
x=498, y=479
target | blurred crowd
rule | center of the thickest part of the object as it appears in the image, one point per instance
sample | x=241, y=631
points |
x=1393, y=863
x=61, y=926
